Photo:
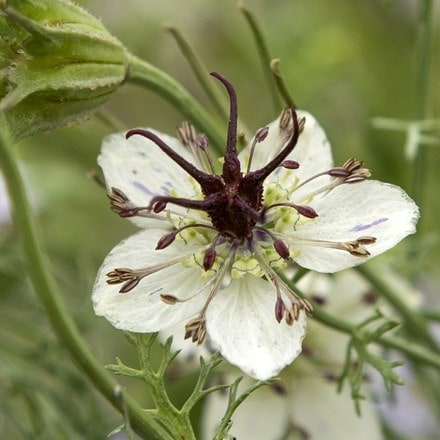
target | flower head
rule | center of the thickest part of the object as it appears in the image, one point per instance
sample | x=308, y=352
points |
x=213, y=243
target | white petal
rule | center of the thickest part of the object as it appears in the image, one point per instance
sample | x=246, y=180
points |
x=322, y=413
x=141, y=309
x=141, y=170
x=262, y=416
x=241, y=322
x=348, y=212
x=313, y=151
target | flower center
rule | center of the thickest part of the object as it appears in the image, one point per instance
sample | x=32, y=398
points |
x=232, y=200
x=241, y=222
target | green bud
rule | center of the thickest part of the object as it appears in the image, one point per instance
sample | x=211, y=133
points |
x=57, y=65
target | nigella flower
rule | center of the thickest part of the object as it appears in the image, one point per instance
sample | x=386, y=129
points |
x=213, y=243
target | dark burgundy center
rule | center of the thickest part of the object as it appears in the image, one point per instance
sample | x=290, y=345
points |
x=237, y=211
x=233, y=200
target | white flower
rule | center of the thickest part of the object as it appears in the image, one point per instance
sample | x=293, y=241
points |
x=212, y=243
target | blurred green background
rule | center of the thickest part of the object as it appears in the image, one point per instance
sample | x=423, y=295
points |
x=345, y=61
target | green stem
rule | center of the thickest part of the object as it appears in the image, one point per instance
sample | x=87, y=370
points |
x=415, y=322
x=422, y=90
x=146, y=75
x=281, y=84
x=177, y=422
x=263, y=52
x=432, y=315
x=45, y=288
x=202, y=73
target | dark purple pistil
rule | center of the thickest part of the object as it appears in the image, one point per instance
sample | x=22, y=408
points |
x=233, y=201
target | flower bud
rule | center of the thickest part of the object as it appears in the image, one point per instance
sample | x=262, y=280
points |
x=57, y=62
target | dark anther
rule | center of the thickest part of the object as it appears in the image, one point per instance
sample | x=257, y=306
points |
x=306, y=211
x=123, y=275
x=281, y=248
x=209, y=258
x=120, y=204
x=169, y=299
x=261, y=134
x=290, y=164
x=159, y=206
x=129, y=285
x=166, y=240
x=280, y=309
